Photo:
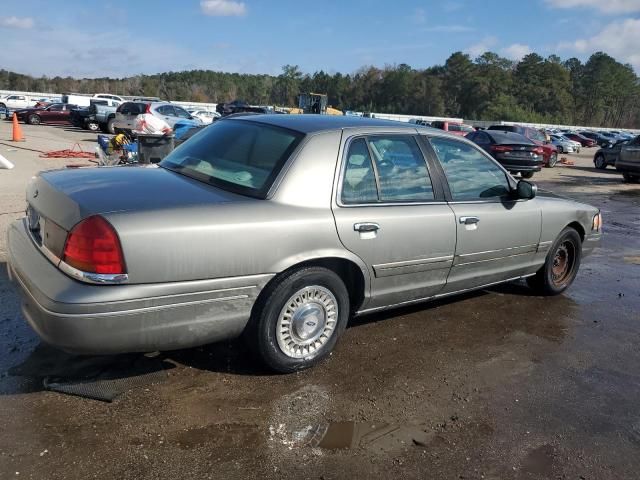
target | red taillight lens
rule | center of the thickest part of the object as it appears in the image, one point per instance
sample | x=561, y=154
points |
x=93, y=246
x=501, y=148
x=538, y=150
x=147, y=108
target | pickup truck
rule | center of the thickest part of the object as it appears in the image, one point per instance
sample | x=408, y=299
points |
x=103, y=116
x=16, y=102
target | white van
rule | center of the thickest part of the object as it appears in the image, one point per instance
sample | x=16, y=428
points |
x=76, y=99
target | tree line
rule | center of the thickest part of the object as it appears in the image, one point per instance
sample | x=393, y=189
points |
x=599, y=92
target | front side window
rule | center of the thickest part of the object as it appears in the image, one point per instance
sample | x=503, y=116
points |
x=470, y=174
x=386, y=169
x=237, y=155
x=180, y=112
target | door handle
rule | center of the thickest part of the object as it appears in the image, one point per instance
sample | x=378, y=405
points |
x=468, y=220
x=366, y=227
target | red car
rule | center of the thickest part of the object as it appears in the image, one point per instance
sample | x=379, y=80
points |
x=550, y=152
x=56, y=113
x=455, y=128
x=584, y=141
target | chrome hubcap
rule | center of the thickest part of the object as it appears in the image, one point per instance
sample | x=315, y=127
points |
x=307, y=321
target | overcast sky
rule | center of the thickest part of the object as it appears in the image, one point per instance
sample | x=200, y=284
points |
x=122, y=37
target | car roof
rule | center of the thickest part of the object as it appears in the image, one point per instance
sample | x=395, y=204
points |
x=305, y=123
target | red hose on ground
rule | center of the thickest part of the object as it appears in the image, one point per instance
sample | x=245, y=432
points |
x=69, y=153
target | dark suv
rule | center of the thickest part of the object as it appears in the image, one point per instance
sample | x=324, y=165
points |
x=550, y=152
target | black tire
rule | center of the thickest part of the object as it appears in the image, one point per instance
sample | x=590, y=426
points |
x=526, y=174
x=599, y=162
x=111, y=126
x=262, y=331
x=555, y=276
x=560, y=149
x=553, y=160
x=92, y=126
x=630, y=178
x=34, y=119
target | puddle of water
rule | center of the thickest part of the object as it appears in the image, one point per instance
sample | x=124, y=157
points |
x=382, y=437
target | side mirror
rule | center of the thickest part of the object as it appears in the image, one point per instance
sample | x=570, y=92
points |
x=526, y=190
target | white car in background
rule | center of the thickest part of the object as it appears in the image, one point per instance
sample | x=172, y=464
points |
x=205, y=116
x=16, y=102
x=564, y=144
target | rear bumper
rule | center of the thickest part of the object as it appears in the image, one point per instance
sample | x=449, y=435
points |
x=521, y=167
x=109, y=319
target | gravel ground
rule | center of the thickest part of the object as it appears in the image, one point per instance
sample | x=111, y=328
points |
x=497, y=384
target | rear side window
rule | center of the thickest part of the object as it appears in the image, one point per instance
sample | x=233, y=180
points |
x=470, y=174
x=237, y=155
x=385, y=169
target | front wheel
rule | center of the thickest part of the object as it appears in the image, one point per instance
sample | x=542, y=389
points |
x=561, y=265
x=298, y=320
x=553, y=160
x=93, y=126
x=526, y=174
x=600, y=163
x=34, y=119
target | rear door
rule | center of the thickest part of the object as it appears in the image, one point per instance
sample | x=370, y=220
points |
x=629, y=158
x=497, y=235
x=390, y=211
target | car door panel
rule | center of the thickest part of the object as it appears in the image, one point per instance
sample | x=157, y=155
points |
x=497, y=235
x=408, y=247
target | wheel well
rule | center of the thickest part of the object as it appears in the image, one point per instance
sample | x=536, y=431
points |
x=347, y=270
x=578, y=228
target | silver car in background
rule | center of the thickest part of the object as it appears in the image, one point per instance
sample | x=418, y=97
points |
x=564, y=145
x=127, y=113
x=281, y=227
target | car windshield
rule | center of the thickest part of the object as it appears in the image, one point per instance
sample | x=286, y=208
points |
x=237, y=155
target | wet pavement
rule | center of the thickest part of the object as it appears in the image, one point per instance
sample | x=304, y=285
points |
x=497, y=384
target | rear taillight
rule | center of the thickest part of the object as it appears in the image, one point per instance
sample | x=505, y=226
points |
x=93, y=246
x=147, y=109
x=501, y=148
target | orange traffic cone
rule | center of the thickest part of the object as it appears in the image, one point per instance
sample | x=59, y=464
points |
x=17, y=131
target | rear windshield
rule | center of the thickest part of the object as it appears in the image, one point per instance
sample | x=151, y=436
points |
x=237, y=155
x=502, y=137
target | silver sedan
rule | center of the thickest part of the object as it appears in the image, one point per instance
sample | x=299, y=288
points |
x=282, y=228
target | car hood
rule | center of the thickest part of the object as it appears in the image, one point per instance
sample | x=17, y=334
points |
x=69, y=195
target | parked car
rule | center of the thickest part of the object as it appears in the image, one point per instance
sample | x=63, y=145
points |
x=453, y=127
x=599, y=139
x=515, y=152
x=126, y=114
x=419, y=121
x=16, y=102
x=550, y=152
x=45, y=102
x=584, y=141
x=564, y=145
x=205, y=116
x=628, y=161
x=109, y=262
x=608, y=155
x=56, y=113
x=104, y=116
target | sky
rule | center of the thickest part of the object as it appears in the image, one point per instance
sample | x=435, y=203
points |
x=119, y=38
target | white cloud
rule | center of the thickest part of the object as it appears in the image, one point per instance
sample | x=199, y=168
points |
x=223, y=8
x=449, y=29
x=419, y=16
x=17, y=22
x=516, y=51
x=619, y=39
x=605, y=6
x=482, y=46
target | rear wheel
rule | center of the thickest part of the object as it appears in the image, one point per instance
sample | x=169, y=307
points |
x=34, y=119
x=599, y=162
x=298, y=319
x=93, y=126
x=526, y=174
x=111, y=126
x=561, y=265
x=630, y=178
x=553, y=160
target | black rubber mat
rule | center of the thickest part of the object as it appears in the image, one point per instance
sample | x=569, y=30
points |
x=100, y=378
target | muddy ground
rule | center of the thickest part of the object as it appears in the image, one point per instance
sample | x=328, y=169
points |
x=497, y=384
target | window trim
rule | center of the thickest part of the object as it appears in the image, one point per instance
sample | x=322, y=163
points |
x=426, y=138
x=438, y=194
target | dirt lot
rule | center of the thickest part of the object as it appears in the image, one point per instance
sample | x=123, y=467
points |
x=498, y=384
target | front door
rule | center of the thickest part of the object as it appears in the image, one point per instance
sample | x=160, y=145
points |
x=497, y=235
x=390, y=213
